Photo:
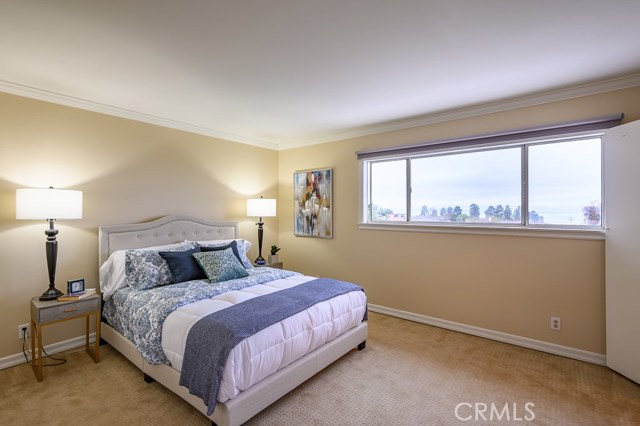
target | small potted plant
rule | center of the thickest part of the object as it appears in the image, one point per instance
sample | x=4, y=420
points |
x=273, y=257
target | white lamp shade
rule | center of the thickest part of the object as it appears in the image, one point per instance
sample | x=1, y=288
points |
x=49, y=203
x=261, y=207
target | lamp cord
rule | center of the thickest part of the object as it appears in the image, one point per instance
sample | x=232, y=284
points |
x=46, y=355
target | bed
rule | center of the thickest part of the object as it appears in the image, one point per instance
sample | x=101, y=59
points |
x=248, y=397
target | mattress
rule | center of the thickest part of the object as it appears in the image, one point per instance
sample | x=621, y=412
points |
x=272, y=348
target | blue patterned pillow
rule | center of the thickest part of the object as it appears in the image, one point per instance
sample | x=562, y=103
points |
x=233, y=245
x=221, y=265
x=146, y=269
x=242, y=246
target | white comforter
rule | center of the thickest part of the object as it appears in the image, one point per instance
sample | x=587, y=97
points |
x=272, y=348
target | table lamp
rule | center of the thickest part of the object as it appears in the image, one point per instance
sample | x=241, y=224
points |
x=261, y=207
x=49, y=204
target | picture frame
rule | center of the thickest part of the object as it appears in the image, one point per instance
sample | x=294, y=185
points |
x=75, y=286
x=313, y=203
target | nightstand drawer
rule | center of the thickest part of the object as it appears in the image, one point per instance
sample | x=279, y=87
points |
x=61, y=310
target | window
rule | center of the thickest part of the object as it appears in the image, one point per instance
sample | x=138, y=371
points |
x=565, y=183
x=472, y=187
x=514, y=182
x=387, y=203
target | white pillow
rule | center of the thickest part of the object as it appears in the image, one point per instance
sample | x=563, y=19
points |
x=243, y=248
x=113, y=271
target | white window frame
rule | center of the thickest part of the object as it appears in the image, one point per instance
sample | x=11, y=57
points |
x=522, y=229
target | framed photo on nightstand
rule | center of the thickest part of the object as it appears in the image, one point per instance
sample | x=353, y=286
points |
x=75, y=286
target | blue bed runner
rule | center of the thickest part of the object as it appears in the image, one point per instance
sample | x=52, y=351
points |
x=212, y=338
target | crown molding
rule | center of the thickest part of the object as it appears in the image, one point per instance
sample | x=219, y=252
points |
x=539, y=98
x=57, y=98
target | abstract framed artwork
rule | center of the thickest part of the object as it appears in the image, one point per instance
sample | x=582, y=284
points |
x=313, y=203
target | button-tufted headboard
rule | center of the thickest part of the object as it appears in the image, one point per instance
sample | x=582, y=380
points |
x=166, y=230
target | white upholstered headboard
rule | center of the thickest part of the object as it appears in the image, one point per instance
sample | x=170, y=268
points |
x=166, y=230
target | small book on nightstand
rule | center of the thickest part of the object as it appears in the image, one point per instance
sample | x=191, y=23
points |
x=77, y=296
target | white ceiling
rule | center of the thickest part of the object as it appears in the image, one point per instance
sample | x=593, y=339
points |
x=286, y=73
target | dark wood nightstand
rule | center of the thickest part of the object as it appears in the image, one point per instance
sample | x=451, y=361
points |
x=50, y=312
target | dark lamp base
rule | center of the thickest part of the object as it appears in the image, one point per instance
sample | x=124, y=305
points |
x=51, y=294
x=260, y=261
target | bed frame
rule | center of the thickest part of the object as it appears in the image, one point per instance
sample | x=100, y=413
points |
x=172, y=229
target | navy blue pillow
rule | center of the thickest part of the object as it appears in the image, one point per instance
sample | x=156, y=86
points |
x=233, y=245
x=183, y=265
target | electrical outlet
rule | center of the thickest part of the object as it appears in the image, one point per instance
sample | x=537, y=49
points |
x=24, y=333
x=556, y=323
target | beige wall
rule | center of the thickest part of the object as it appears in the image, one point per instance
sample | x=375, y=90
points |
x=508, y=284
x=131, y=172
x=128, y=172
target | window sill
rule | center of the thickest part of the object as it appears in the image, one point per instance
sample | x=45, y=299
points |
x=507, y=231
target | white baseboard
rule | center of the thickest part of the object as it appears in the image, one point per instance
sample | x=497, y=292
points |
x=525, y=342
x=11, y=360
x=539, y=345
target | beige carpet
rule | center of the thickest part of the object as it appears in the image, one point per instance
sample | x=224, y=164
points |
x=409, y=374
